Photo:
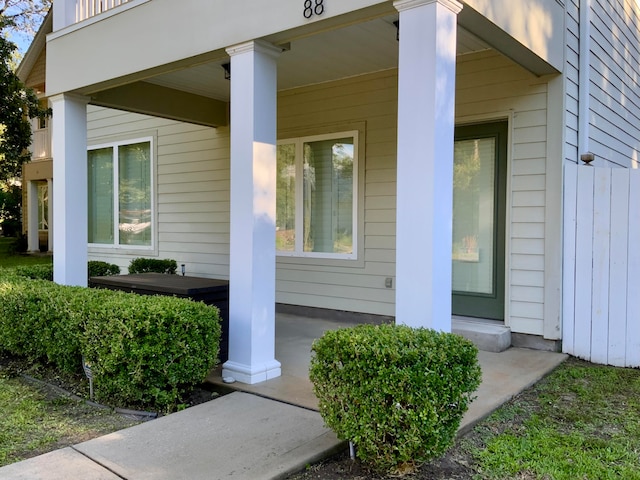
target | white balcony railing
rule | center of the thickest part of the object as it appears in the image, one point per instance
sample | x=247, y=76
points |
x=90, y=8
x=41, y=144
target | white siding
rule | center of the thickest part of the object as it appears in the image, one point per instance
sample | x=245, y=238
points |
x=193, y=185
x=490, y=86
x=614, y=82
x=192, y=174
x=572, y=59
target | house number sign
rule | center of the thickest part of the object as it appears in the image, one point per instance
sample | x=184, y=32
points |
x=313, y=7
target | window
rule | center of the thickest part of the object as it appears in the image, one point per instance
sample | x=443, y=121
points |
x=316, y=196
x=120, y=194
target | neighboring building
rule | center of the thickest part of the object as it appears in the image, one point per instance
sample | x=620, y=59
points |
x=343, y=130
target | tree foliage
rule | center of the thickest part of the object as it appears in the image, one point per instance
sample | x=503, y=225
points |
x=24, y=16
x=17, y=102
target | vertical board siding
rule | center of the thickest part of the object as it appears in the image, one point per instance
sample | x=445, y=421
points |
x=601, y=317
x=193, y=185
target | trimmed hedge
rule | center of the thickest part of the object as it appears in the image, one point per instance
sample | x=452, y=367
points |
x=145, y=351
x=95, y=268
x=397, y=393
x=102, y=269
x=35, y=272
x=154, y=265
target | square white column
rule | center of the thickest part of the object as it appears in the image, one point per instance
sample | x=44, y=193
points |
x=32, y=217
x=252, y=269
x=426, y=102
x=69, y=151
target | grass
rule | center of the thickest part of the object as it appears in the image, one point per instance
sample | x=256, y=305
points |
x=8, y=260
x=34, y=421
x=582, y=421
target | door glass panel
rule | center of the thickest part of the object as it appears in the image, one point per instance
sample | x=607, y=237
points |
x=474, y=216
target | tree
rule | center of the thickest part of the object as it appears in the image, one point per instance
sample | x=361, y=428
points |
x=17, y=105
x=23, y=16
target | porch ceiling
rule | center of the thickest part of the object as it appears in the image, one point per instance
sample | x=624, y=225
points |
x=354, y=50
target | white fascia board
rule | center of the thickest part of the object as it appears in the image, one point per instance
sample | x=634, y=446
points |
x=156, y=36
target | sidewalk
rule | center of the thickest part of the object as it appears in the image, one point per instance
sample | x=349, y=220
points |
x=245, y=435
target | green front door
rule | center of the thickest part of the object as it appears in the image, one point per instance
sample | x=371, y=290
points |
x=479, y=197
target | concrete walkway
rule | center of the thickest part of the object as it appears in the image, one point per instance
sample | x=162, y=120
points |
x=264, y=432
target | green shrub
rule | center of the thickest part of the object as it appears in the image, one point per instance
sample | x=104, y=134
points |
x=147, y=265
x=144, y=351
x=36, y=272
x=102, y=269
x=397, y=393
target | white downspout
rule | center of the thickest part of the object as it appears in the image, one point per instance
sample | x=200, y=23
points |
x=584, y=77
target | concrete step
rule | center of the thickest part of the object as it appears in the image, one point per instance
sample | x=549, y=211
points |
x=487, y=335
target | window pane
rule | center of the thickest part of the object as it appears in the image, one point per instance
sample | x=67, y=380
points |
x=134, y=198
x=286, y=198
x=101, y=196
x=473, y=215
x=328, y=196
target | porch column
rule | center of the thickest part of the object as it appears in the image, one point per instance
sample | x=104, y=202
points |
x=50, y=214
x=32, y=217
x=426, y=100
x=69, y=151
x=253, y=208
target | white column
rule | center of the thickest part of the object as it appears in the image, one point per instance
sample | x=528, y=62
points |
x=32, y=217
x=50, y=214
x=426, y=100
x=253, y=206
x=69, y=151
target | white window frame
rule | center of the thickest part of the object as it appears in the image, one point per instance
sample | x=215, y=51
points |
x=298, y=251
x=115, y=145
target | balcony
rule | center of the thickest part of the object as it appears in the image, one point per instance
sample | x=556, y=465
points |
x=71, y=12
x=90, y=8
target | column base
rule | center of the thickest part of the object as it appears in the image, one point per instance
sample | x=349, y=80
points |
x=251, y=374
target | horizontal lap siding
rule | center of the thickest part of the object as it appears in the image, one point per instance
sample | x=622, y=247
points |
x=572, y=59
x=615, y=82
x=489, y=84
x=192, y=189
x=349, y=285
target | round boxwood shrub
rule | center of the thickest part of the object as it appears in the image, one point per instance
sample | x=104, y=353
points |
x=396, y=392
x=97, y=268
x=153, y=265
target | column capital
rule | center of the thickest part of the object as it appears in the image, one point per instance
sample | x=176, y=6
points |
x=69, y=96
x=254, y=46
x=402, y=5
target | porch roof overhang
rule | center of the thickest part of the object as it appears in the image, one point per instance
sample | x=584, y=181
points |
x=356, y=40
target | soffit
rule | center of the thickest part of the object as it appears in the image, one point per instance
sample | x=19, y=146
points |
x=354, y=50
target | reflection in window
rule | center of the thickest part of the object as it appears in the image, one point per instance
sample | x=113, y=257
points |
x=316, y=196
x=120, y=191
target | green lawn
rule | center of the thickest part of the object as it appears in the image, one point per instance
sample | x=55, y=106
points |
x=581, y=422
x=7, y=259
x=34, y=422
